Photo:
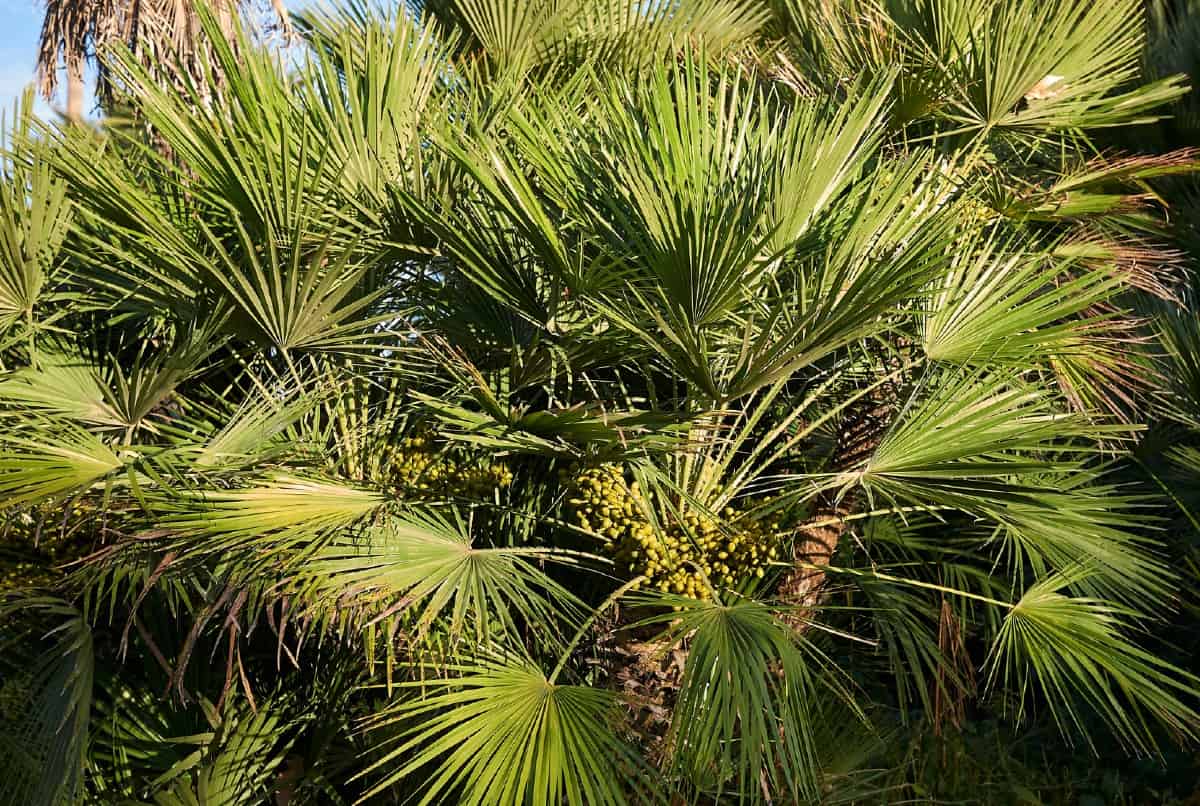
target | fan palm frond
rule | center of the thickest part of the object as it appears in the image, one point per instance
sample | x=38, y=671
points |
x=743, y=726
x=281, y=510
x=62, y=385
x=239, y=760
x=427, y=565
x=1076, y=652
x=998, y=308
x=47, y=678
x=35, y=217
x=504, y=732
x=42, y=466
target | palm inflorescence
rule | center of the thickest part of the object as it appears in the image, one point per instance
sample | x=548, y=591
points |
x=563, y=401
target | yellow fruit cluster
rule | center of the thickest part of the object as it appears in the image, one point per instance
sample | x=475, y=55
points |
x=605, y=505
x=690, y=550
x=421, y=471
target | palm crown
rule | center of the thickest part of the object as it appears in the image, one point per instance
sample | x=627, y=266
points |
x=538, y=401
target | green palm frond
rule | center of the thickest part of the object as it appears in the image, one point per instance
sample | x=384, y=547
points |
x=427, y=565
x=35, y=217
x=904, y=620
x=232, y=126
x=136, y=250
x=287, y=260
x=372, y=87
x=1075, y=520
x=502, y=732
x=484, y=419
x=238, y=762
x=888, y=240
x=522, y=35
x=989, y=65
x=674, y=165
x=134, y=735
x=1179, y=333
x=507, y=242
x=823, y=150
x=281, y=510
x=1076, y=652
x=970, y=440
x=565, y=432
x=98, y=391
x=1015, y=64
x=46, y=677
x=1001, y=308
x=58, y=461
x=298, y=297
x=1054, y=65
x=150, y=382
x=743, y=726
x=61, y=385
x=256, y=429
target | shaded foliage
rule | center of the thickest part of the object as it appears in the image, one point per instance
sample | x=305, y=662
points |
x=377, y=391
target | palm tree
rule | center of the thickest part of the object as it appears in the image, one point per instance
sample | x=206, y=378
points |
x=165, y=36
x=535, y=401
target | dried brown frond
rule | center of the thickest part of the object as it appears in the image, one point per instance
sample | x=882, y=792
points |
x=955, y=682
x=70, y=31
x=1115, y=167
x=1155, y=268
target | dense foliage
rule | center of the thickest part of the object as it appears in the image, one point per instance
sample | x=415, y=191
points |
x=562, y=401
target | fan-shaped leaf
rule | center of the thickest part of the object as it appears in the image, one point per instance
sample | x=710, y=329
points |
x=502, y=733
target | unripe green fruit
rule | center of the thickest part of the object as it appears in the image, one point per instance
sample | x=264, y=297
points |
x=692, y=548
x=420, y=471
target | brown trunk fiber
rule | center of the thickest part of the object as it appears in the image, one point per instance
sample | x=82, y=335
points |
x=818, y=541
x=859, y=434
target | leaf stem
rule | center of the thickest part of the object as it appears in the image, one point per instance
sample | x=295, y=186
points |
x=914, y=582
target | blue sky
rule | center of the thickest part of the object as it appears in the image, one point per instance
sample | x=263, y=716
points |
x=20, y=21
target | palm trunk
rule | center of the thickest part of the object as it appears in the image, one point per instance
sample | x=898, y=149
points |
x=285, y=20
x=804, y=585
x=75, y=92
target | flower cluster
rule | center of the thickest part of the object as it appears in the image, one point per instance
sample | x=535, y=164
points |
x=688, y=551
x=420, y=470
